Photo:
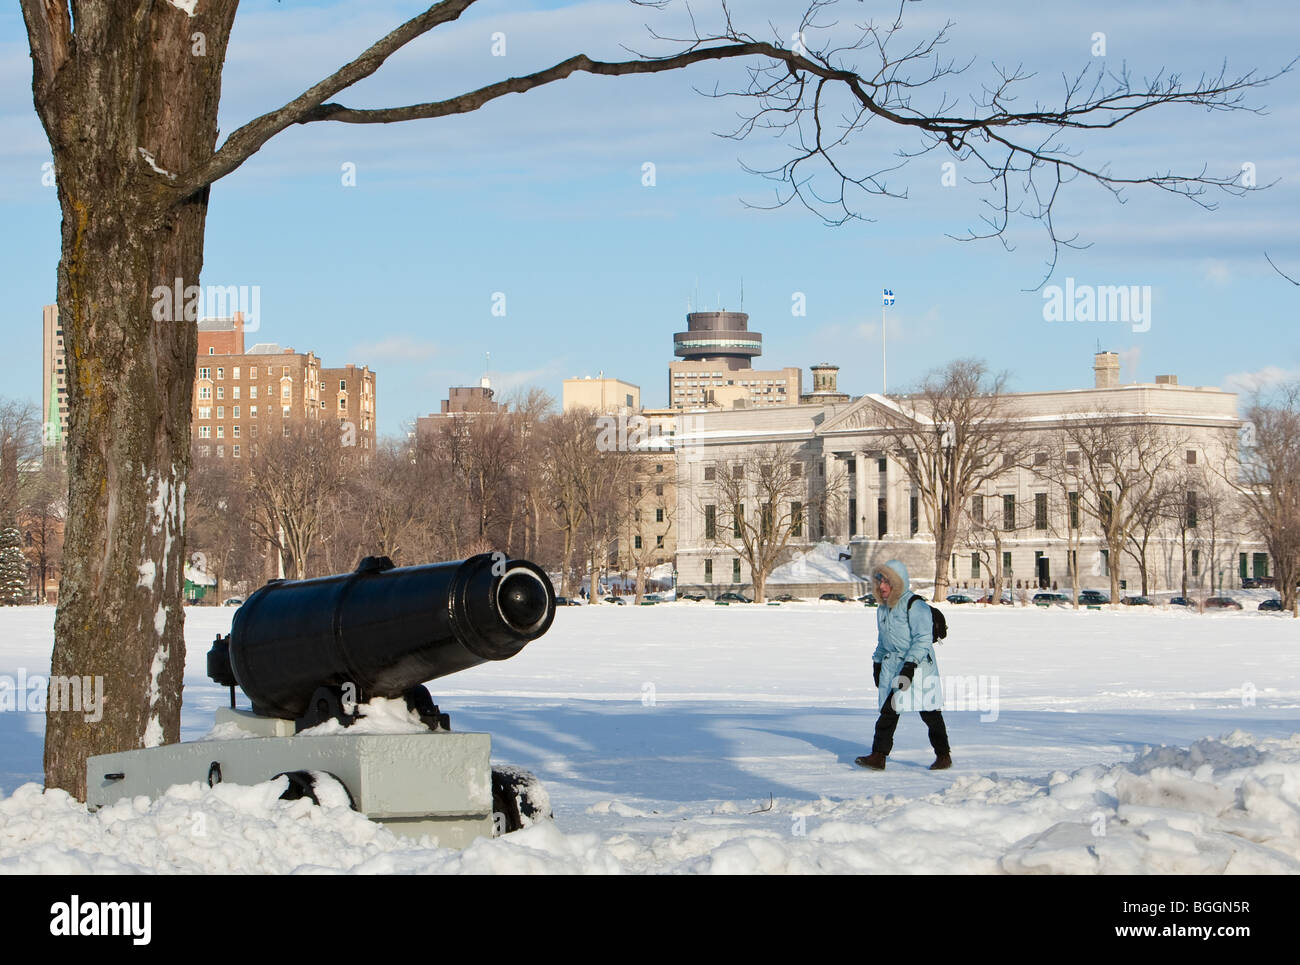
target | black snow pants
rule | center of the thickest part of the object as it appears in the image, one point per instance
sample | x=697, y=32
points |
x=888, y=722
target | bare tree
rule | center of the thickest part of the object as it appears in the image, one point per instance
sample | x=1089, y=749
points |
x=130, y=110
x=292, y=478
x=952, y=436
x=44, y=508
x=20, y=444
x=757, y=506
x=1123, y=461
x=1266, y=477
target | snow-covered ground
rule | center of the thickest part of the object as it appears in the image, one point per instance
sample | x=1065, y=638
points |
x=701, y=738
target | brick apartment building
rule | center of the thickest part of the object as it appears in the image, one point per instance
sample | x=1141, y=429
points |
x=241, y=394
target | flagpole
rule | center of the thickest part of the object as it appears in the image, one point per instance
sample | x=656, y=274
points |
x=884, y=370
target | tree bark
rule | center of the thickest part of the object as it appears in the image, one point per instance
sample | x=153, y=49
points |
x=126, y=98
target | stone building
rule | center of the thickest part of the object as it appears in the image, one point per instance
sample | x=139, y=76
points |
x=876, y=513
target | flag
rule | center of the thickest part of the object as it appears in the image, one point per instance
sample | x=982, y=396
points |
x=889, y=297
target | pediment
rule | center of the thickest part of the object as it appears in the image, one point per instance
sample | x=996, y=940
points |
x=867, y=413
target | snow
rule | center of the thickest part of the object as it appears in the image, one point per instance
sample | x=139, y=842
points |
x=821, y=564
x=684, y=738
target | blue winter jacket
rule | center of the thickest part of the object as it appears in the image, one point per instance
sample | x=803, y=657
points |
x=906, y=636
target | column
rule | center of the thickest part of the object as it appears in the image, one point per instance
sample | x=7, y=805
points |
x=865, y=511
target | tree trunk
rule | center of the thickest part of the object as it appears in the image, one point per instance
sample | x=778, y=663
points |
x=129, y=85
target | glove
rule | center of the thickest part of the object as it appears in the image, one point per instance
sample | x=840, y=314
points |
x=904, y=678
x=875, y=673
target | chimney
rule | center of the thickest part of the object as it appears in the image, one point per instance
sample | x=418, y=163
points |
x=1166, y=380
x=1105, y=366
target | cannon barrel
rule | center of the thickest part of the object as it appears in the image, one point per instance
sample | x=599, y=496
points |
x=381, y=629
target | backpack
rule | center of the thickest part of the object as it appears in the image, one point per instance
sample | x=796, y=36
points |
x=940, y=623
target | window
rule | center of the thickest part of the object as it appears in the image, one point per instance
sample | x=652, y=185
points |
x=234, y=392
x=659, y=489
x=659, y=542
x=916, y=515
x=1106, y=456
x=636, y=542
x=880, y=464
x=235, y=374
x=636, y=515
x=286, y=411
x=221, y=412
x=234, y=432
x=234, y=412
x=1105, y=507
x=738, y=521
x=637, y=489
x=708, y=571
x=234, y=451
x=659, y=467
x=977, y=509
x=766, y=520
x=322, y=386
x=205, y=412
x=1072, y=458
x=796, y=518
x=285, y=431
x=710, y=473
x=1196, y=562
x=1008, y=511
x=975, y=566
x=1105, y=562
x=205, y=451
x=882, y=517
x=710, y=522
x=211, y=351
x=1006, y=564
x=738, y=471
x=1191, y=457
x=205, y=432
x=221, y=452
x=796, y=470
x=284, y=370
x=221, y=372
x=252, y=374
x=252, y=392
x=253, y=432
x=1074, y=510
x=343, y=385
x=221, y=432
x=221, y=392
x=252, y=412
x=1040, y=510
x=205, y=392
x=659, y=515
x=286, y=391
x=853, y=466
x=735, y=570
x=343, y=403
x=1191, y=509
x=1040, y=459
x=205, y=373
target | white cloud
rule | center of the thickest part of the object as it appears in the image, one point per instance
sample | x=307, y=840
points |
x=394, y=349
x=1261, y=379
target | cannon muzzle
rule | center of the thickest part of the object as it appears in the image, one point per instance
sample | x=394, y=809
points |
x=382, y=630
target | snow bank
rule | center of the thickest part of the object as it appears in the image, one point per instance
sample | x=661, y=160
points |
x=1217, y=806
x=821, y=564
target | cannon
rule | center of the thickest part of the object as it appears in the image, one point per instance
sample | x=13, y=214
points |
x=308, y=652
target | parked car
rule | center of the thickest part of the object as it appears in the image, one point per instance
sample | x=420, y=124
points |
x=1257, y=582
x=653, y=598
x=1135, y=601
x=733, y=598
x=1050, y=599
x=234, y=601
x=1182, y=601
x=1273, y=604
x=959, y=598
x=694, y=597
x=867, y=599
x=1007, y=599
x=1222, y=603
x=620, y=601
x=783, y=598
x=834, y=597
x=566, y=601
x=1092, y=598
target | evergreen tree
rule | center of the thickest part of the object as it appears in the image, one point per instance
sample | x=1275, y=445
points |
x=13, y=568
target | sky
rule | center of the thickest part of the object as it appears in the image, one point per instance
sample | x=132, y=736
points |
x=541, y=204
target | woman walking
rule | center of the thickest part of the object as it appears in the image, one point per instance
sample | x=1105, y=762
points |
x=906, y=674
